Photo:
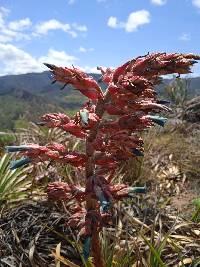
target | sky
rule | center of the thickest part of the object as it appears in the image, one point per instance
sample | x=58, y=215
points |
x=91, y=33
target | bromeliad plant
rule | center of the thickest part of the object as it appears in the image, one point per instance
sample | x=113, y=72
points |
x=131, y=100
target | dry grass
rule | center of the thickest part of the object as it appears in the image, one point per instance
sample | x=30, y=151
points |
x=149, y=231
x=30, y=232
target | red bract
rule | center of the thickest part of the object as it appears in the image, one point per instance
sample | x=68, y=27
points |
x=35, y=152
x=58, y=191
x=55, y=119
x=134, y=122
x=80, y=80
x=120, y=71
x=102, y=159
x=75, y=159
x=74, y=129
x=107, y=75
x=63, y=122
x=105, y=169
x=119, y=145
x=77, y=218
x=53, y=151
x=129, y=122
x=57, y=147
x=113, y=110
x=130, y=99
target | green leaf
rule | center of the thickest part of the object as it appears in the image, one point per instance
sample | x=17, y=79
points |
x=155, y=253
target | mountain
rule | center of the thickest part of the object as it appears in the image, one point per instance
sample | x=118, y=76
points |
x=28, y=96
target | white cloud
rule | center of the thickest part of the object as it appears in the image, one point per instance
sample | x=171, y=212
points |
x=4, y=10
x=17, y=61
x=13, y=31
x=115, y=24
x=20, y=25
x=112, y=22
x=159, y=2
x=22, y=30
x=53, y=24
x=82, y=49
x=89, y=69
x=134, y=20
x=3, y=13
x=81, y=28
x=185, y=37
x=85, y=50
x=7, y=35
x=5, y=38
x=59, y=58
x=196, y=3
x=44, y=27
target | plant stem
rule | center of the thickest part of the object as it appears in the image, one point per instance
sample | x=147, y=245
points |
x=93, y=133
x=91, y=204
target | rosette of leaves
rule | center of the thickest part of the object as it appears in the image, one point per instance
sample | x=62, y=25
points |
x=14, y=184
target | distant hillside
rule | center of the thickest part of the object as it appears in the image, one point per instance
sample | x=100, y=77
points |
x=28, y=96
x=16, y=104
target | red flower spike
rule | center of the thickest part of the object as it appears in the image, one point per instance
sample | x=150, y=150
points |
x=130, y=95
x=77, y=78
x=120, y=71
x=58, y=191
x=192, y=56
x=74, y=129
x=63, y=122
x=57, y=147
x=107, y=75
x=55, y=152
x=93, y=119
x=102, y=170
x=35, y=151
x=55, y=119
x=113, y=110
x=77, y=218
x=102, y=159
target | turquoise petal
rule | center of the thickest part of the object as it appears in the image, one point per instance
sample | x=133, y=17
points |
x=137, y=152
x=86, y=247
x=141, y=190
x=19, y=163
x=16, y=148
x=158, y=120
x=84, y=116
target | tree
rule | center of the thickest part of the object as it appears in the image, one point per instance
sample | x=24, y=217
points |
x=130, y=99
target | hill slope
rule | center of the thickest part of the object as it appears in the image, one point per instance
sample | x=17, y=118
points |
x=31, y=95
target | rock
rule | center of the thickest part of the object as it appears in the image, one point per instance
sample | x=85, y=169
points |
x=192, y=110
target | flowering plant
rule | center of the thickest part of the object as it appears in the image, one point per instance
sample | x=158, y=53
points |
x=131, y=99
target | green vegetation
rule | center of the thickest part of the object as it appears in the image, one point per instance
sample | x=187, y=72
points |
x=14, y=185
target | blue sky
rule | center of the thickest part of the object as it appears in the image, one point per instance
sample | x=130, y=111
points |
x=90, y=33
